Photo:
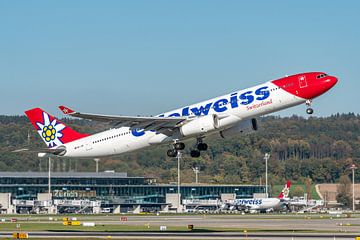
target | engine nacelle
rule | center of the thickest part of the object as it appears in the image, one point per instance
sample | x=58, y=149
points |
x=244, y=127
x=200, y=125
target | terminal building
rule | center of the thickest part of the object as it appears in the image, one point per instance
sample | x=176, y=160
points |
x=76, y=192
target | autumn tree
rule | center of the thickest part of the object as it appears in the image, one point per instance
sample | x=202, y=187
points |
x=343, y=191
x=308, y=182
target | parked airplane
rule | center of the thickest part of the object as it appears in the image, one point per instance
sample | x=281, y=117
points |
x=260, y=204
x=228, y=115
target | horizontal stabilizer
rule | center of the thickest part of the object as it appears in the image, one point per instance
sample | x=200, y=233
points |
x=54, y=151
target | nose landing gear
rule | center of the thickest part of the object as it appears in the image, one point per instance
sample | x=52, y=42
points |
x=309, y=110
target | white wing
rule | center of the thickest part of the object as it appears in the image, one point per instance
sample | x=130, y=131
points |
x=146, y=123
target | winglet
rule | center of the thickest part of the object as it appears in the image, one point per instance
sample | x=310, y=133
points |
x=66, y=110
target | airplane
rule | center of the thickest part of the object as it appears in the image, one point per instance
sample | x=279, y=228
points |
x=260, y=204
x=226, y=116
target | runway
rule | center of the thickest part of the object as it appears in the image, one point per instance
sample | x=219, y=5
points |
x=185, y=235
x=271, y=222
x=267, y=222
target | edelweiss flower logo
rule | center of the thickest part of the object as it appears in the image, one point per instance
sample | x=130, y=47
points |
x=286, y=192
x=50, y=131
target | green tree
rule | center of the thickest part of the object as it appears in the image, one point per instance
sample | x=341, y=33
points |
x=298, y=191
x=319, y=148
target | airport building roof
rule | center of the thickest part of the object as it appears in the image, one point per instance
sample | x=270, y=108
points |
x=66, y=175
x=111, y=187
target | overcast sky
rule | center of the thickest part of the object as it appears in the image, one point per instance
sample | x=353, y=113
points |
x=146, y=57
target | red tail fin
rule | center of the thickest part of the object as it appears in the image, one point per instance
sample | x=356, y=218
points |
x=286, y=190
x=51, y=130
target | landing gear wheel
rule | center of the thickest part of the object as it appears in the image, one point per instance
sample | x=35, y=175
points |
x=179, y=146
x=195, y=153
x=202, y=146
x=309, y=111
x=171, y=153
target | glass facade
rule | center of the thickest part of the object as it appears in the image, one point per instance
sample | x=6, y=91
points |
x=111, y=187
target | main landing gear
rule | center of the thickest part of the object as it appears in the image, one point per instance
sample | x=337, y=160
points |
x=195, y=153
x=171, y=153
x=176, y=147
x=200, y=146
x=309, y=110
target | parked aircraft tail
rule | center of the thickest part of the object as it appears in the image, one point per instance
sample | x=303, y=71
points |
x=285, y=192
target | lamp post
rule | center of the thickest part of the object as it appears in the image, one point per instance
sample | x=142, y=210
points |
x=97, y=164
x=196, y=171
x=353, y=167
x=266, y=158
x=49, y=179
x=178, y=156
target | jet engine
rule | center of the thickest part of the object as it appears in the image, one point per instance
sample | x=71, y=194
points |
x=200, y=125
x=244, y=127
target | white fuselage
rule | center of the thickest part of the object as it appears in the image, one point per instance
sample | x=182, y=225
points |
x=231, y=109
x=257, y=203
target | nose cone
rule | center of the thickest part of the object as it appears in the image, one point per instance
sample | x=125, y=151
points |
x=331, y=81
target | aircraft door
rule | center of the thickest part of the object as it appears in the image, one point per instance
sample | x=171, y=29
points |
x=88, y=146
x=302, y=81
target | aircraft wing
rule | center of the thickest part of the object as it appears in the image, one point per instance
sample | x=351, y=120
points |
x=146, y=123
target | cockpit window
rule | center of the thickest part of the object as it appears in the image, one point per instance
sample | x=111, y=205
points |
x=321, y=75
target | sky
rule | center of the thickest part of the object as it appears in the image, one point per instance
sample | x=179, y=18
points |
x=147, y=57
